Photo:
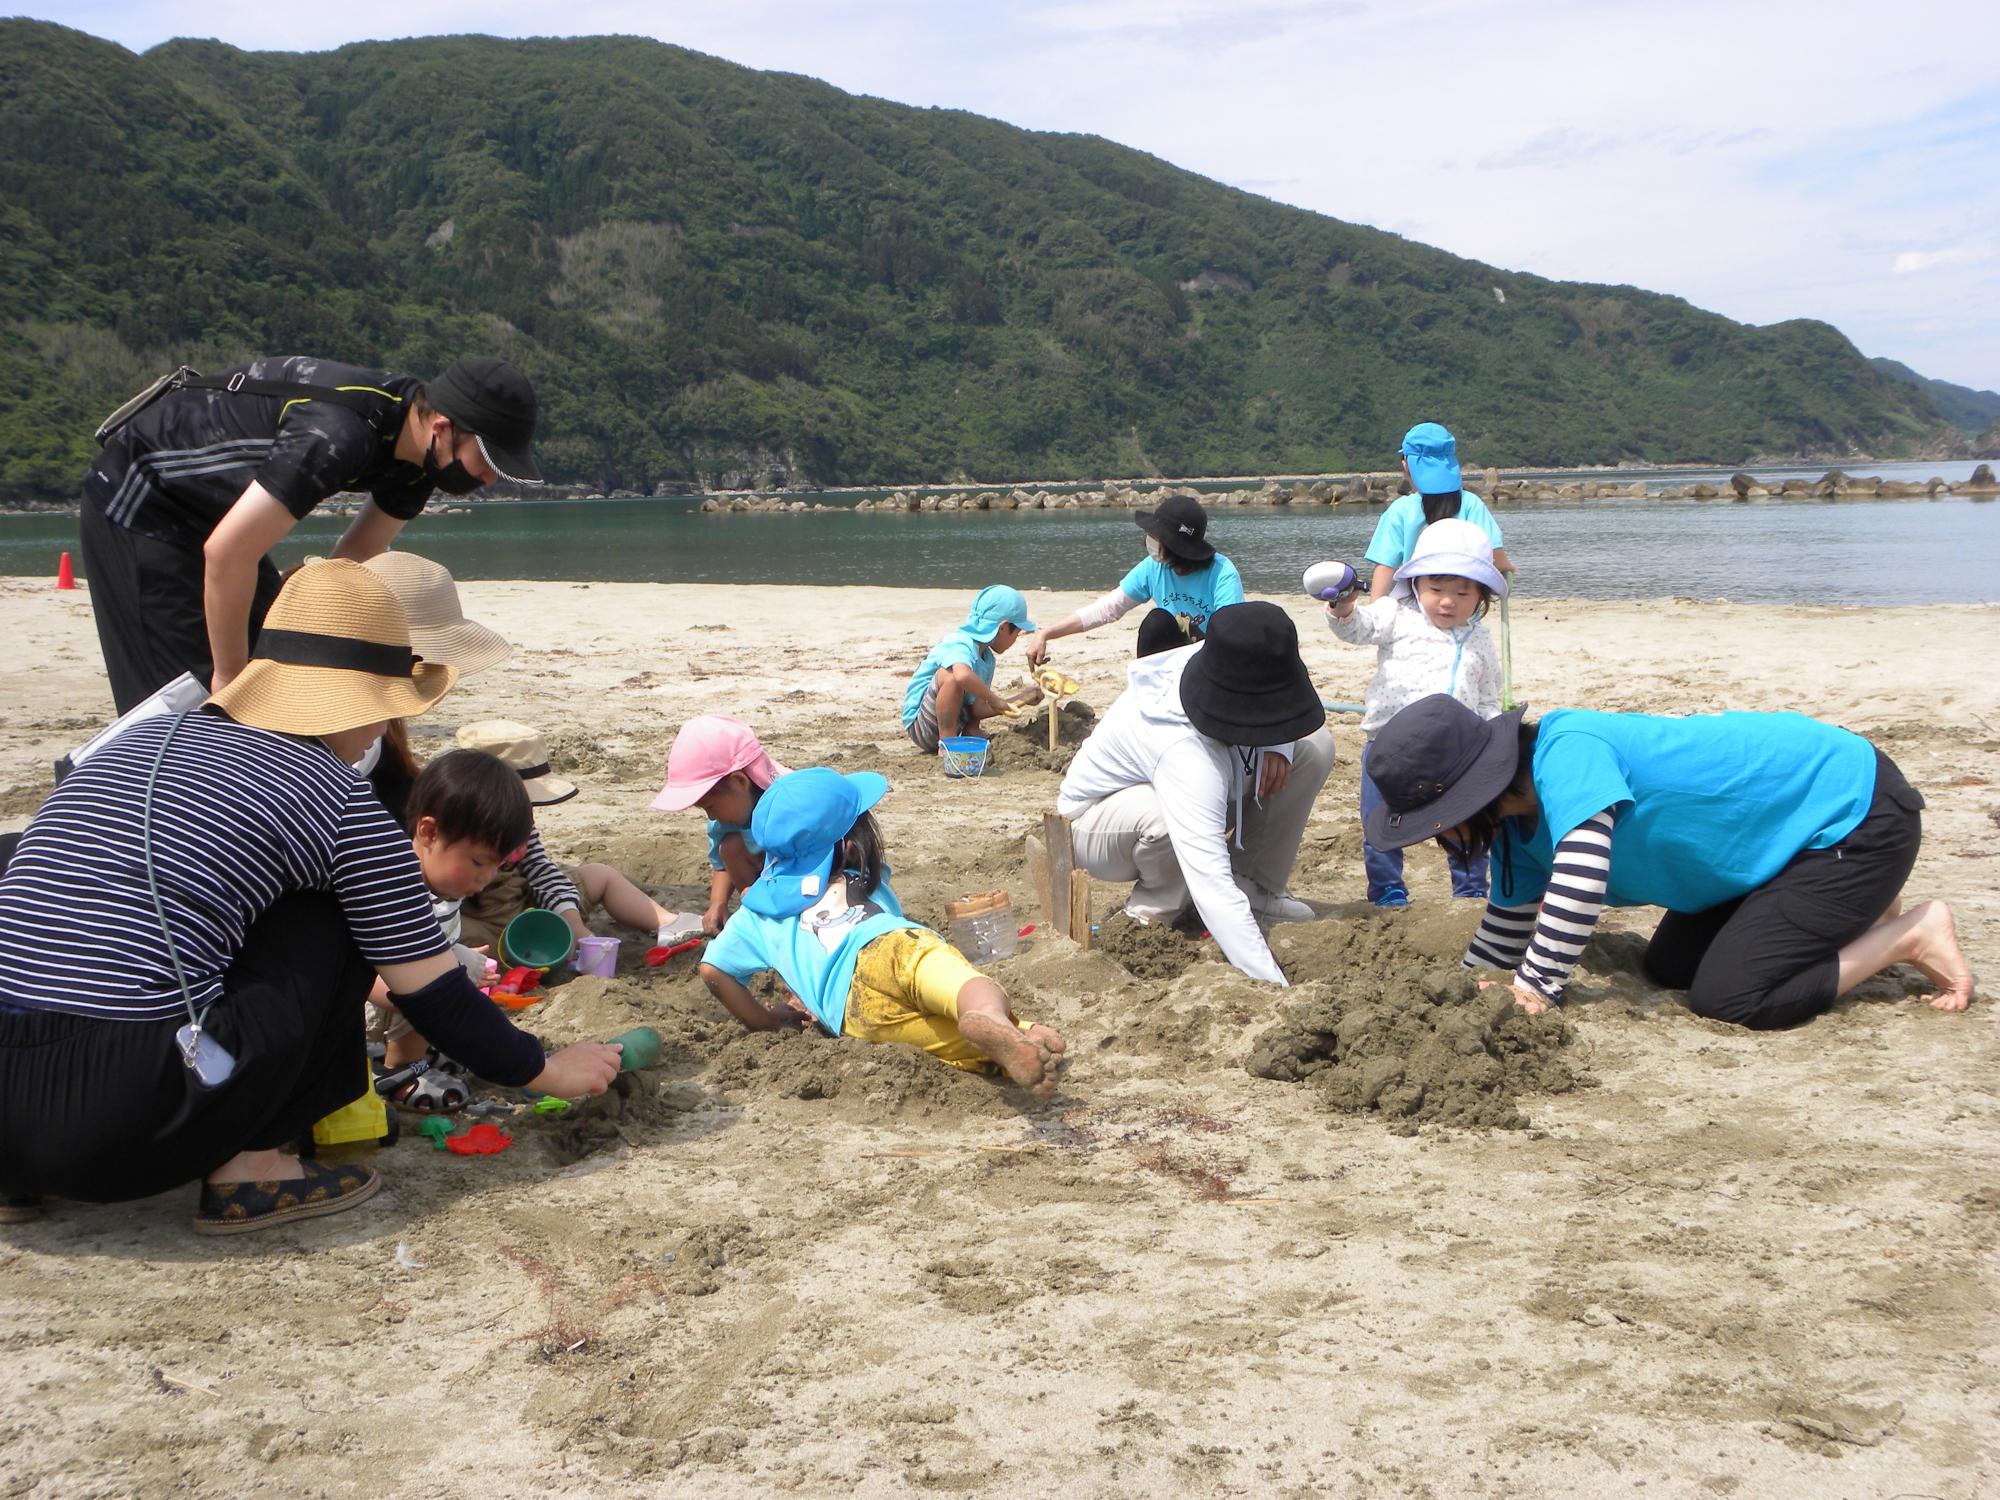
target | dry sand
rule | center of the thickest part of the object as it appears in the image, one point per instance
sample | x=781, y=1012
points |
x=1702, y=1263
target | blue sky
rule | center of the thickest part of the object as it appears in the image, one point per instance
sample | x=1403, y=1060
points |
x=1768, y=159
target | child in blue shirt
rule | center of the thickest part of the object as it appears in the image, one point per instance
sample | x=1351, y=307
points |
x=824, y=917
x=1182, y=574
x=954, y=686
x=1430, y=463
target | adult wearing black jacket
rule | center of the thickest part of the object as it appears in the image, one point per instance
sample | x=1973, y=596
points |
x=188, y=497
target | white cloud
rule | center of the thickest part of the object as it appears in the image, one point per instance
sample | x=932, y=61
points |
x=1911, y=261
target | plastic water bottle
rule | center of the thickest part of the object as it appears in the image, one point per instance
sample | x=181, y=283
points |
x=982, y=927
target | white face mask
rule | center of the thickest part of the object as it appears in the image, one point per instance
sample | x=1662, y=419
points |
x=370, y=758
x=1153, y=548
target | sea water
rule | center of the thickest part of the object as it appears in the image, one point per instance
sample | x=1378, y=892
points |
x=1856, y=552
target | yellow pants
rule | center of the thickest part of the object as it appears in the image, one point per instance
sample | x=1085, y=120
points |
x=905, y=990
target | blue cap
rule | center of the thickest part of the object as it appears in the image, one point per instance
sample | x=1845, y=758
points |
x=800, y=821
x=1433, y=455
x=994, y=606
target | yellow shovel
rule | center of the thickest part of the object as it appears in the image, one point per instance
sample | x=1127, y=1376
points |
x=1052, y=681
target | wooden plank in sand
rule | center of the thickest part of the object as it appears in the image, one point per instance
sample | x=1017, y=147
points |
x=1060, y=886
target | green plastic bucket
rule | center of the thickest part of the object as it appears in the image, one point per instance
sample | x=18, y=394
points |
x=539, y=939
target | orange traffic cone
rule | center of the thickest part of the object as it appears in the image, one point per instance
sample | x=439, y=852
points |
x=65, y=574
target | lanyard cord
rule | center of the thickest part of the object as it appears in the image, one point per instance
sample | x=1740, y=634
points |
x=153, y=878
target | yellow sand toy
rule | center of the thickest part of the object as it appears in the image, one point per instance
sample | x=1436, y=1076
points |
x=1058, y=686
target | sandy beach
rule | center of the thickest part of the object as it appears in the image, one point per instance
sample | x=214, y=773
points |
x=1635, y=1253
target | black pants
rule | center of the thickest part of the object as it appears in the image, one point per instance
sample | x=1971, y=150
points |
x=104, y=1111
x=147, y=597
x=1770, y=958
x=1161, y=631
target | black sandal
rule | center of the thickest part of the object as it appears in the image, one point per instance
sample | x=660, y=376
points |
x=239, y=1207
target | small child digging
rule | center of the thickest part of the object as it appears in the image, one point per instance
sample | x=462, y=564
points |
x=953, y=690
x=718, y=766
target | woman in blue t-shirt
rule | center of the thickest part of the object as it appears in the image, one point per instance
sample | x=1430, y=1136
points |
x=1430, y=463
x=1777, y=844
x=1182, y=575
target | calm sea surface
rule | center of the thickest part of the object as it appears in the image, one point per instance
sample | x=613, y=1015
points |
x=1861, y=552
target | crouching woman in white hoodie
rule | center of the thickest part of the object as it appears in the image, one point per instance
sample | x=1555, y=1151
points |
x=1198, y=782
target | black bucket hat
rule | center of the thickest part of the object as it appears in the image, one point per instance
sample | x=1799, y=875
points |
x=1246, y=685
x=492, y=400
x=1180, y=525
x=1436, y=764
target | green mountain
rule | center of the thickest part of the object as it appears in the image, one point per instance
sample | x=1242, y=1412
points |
x=706, y=267
x=1970, y=411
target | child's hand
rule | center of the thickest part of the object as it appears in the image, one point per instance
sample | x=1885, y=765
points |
x=1037, y=646
x=575, y=919
x=579, y=1070
x=713, y=918
x=784, y=1018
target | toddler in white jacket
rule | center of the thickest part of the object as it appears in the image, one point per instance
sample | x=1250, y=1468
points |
x=1428, y=638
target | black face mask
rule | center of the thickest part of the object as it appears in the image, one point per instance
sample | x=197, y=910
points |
x=453, y=478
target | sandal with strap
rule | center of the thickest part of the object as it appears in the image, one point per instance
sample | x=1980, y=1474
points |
x=240, y=1207
x=428, y=1086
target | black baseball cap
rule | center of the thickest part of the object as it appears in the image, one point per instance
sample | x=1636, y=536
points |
x=493, y=401
x=1180, y=525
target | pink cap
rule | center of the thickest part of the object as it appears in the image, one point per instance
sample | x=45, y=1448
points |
x=706, y=750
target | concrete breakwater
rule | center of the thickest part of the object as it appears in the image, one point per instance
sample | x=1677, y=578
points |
x=1369, y=489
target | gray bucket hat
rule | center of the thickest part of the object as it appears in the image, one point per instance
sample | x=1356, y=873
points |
x=1436, y=764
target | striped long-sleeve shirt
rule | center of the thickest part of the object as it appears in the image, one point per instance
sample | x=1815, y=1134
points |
x=241, y=817
x=1542, y=942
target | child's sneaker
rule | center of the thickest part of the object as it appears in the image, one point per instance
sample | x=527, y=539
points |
x=1393, y=898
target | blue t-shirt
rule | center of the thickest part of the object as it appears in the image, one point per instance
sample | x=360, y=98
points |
x=955, y=648
x=1396, y=533
x=1196, y=595
x=1708, y=807
x=717, y=832
x=818, y=974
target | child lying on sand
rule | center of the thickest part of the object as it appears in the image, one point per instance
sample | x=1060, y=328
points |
x=824, y=917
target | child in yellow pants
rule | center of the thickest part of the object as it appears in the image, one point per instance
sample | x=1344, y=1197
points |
x=825, y=918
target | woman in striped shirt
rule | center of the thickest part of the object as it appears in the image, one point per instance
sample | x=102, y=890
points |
x=191, y=922
x=1777, y=844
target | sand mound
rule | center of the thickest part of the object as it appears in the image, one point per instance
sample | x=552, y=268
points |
x=1025, y=745
x=1150, y=950
x=861, y=1080
x=1398, y=1030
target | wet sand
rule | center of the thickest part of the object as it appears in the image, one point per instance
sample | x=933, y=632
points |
x=1663, y=1253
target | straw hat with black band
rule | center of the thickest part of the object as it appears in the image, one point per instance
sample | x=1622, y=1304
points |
x=439, y=630
x=1246, y=684
x=1436, y=764
x=334, y=654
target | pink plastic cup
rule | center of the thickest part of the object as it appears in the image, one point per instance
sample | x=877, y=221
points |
x=596, y=955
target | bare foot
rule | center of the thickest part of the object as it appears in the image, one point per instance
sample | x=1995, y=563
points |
x=1937, y=956
x=1033, y=1059
x=258, y=1166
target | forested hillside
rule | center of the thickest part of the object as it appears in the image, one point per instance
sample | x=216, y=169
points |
x=709, y=270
